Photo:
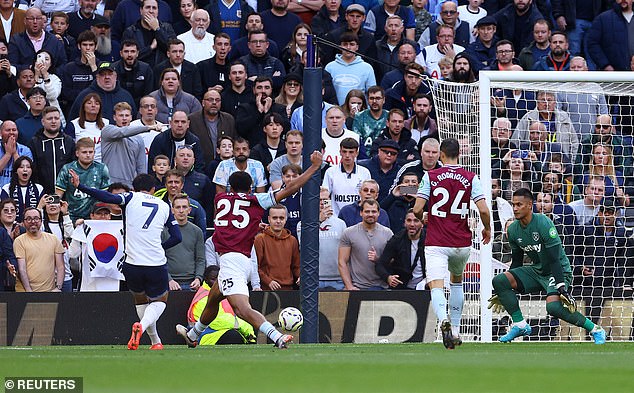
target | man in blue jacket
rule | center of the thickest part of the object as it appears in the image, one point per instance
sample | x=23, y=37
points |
x=21, y=49
x=609, y=39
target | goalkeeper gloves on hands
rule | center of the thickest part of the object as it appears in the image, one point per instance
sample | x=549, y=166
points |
x=495, y=305
x=566, y=298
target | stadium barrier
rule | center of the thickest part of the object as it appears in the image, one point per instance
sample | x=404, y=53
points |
x=344, y=317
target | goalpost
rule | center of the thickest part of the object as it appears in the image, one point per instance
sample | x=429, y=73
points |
x=603, y=289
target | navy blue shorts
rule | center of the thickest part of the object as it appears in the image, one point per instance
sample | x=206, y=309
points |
x=151, y=280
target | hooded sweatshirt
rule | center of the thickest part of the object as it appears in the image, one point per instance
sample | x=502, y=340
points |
x=278, y=258
x=347, y=76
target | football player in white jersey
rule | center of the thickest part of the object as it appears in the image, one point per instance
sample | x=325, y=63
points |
x=145, y=268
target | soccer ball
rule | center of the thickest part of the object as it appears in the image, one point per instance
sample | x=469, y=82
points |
x=290, y=319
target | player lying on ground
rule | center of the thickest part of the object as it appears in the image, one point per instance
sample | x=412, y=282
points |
x=145, y=268
x=238, y=215
x=448, y=242
x=535, y=235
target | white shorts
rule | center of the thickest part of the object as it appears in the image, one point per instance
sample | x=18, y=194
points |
x=235, y=269
x=440, y=259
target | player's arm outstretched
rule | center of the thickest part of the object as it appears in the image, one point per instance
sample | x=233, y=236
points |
x=103, y=196
x=175, y=233
x=293, y=186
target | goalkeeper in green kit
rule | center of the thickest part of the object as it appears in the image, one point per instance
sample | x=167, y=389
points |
x=535, y=235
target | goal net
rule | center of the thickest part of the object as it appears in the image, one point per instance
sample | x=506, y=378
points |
x=570, y=142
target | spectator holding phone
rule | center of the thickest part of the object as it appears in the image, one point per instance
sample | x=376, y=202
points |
x=7, y=71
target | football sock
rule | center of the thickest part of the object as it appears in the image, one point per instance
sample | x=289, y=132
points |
x=556, y=309
x=153, y=334
x=196, y=331
x=270, y=331
x=151, y=330
x=439, y=303
x=152, y=313
x=507, y=297
x=456, y=301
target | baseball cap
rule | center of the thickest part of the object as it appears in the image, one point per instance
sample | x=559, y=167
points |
x=101, y=21
x=100, y=206
x=607, y=204
x=486, y=21
x=355, y=7
x=389, y=144
x=105, y=66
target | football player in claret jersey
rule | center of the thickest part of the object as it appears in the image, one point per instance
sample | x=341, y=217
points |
x=535, y=235
x=449, y=190
x=238, y=215
x=145, y=267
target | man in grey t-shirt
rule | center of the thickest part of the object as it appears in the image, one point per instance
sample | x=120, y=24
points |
x=360, y=248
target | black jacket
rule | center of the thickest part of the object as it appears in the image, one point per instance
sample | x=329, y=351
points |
x=568, y=9
x=144, y=38
x=139, y=81
x=12, y=107
x=321, y=23
x=249, y=121
x=75, y=76
x=164, y=143
x=50, y=155
x=190, y=78
x=212, y=74
x=367, y=44
x=396, y=258
x=407, y=144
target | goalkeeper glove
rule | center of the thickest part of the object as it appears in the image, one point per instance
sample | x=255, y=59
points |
x=566, y=298
x=495, y=305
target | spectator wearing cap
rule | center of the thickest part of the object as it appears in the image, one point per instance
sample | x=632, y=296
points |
x=150, y=33
x=470, y=14
x=84, y=18
x=383, y=166
x=107, y=49
x=396, y=132
x=482, y=50
x=23, y=46
x=292, y=94
x=31, y=122
x=355, y=16
x=108, y=88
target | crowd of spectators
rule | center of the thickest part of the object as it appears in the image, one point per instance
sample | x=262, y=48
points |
x=192, y=91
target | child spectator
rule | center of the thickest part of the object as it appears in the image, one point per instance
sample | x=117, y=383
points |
x=91, y=174
x=160, y=167
x=59, y=27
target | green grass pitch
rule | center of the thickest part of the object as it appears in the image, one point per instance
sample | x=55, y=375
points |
x=516, y=367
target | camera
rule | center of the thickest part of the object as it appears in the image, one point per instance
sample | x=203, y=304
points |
x=53, y=200
x=523, y=154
